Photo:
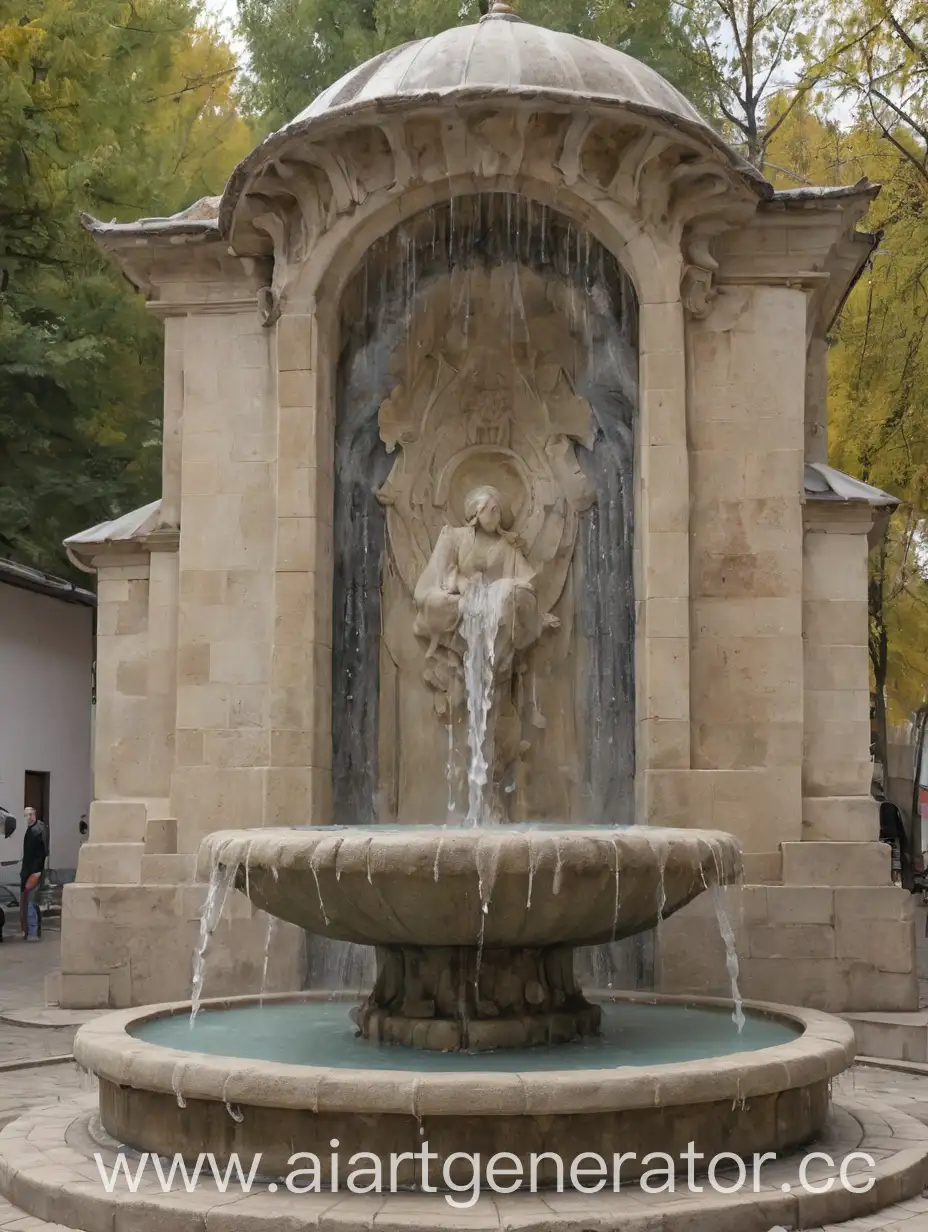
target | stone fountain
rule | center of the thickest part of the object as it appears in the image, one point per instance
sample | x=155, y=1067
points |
x=475, y=929
x=446, y=342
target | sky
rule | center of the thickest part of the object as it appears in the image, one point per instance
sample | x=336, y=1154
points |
x=225, y=10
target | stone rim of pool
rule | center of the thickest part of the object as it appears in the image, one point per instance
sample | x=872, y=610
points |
x=825, y=1047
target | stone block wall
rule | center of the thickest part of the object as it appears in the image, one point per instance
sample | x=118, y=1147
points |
x=225, y=577
x=185, y=691
x=745, y=423
x=780, y=694
x=837, y=948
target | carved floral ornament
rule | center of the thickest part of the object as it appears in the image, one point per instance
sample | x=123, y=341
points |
x=629, y=172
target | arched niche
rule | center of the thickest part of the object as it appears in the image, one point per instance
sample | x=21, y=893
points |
x=487, y=339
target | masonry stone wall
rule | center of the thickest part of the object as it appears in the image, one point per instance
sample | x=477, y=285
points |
x=215, y=656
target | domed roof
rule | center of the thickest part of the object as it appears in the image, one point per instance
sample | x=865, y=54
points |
x=504, y=53
x=500, y=60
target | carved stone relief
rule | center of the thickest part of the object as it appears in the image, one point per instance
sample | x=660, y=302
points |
x=488, y=343
x=485, y=489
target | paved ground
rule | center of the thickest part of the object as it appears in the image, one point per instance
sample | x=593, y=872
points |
x=23, y=969
x=38, y=1086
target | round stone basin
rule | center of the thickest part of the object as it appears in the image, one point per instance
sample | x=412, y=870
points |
x=495, y=886
x=288, y=1078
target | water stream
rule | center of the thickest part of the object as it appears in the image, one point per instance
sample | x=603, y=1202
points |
x=731, y=954
x=481, y=614
x=220, y=883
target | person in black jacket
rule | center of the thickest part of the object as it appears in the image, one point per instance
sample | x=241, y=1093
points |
x=35, y=853
x=892, y=832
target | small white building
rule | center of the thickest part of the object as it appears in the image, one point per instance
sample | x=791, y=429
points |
x=46, y=695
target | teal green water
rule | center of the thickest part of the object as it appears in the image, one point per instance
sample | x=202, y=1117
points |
x=319, y=1033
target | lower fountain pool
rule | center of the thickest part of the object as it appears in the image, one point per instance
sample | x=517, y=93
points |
x=284, y=1074
x=318, y=1033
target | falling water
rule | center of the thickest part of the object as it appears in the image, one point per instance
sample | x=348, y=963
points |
x=531, y=871
x=487, y=867
x=338, y=966
x=220, y=883
x=177, y=1083
x=731, y=954
x=615, y=873
x=383, y=314
x=558, y=867
x=314, y=869
x=481, y=614
x=268, y=942
x=451, y=770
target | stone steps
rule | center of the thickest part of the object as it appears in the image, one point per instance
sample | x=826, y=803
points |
x=47, y=1171
x=891, y=1037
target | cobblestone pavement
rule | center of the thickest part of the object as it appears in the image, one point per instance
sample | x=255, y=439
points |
x=23, y=969
x=39, y=1086
x=906, y=1091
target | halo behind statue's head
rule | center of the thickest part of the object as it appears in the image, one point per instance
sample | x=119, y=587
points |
x=485, y=467
x=478, y=499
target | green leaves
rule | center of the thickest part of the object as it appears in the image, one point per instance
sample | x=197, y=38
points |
x=873, y=57
x=296, y=48
x=119, y=110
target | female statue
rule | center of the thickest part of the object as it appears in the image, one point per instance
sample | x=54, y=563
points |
x=478, y=587
x=482, y=552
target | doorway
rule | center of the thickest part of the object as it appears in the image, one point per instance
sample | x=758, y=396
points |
x=35, y=795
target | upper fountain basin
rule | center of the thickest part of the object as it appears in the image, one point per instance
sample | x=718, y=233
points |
x=448, y=886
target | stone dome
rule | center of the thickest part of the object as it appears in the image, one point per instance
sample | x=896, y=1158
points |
x=506, y=54
x=502, y=62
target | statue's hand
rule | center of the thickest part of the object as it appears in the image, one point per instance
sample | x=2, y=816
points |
x=550, y=621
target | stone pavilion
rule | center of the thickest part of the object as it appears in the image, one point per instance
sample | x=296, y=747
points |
x=738, y=570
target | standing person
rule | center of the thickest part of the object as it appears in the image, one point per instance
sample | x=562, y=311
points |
x=892, y=832
x=35, y=852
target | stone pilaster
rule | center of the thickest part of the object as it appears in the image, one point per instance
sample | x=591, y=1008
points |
x=662, y=581
x=836, y=771
x=298, y=787
x=225, y=580
x=834, y=933
x=184, y=704
x=745, y=428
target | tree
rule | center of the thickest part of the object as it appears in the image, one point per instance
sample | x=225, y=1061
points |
x=882, y=360
x=883, y=69
x=121, y=110
x=757, y=57
x=878, y=362
x=296, y=48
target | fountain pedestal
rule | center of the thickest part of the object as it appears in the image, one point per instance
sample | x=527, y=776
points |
x=457, y=998
x=474, y=927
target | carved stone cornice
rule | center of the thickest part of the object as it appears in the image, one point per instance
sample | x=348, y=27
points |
x=218, y=307
x=638, y=170
x=805, y=239
x=166, y=258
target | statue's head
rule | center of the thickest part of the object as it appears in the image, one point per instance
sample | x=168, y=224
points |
x=487, y=508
